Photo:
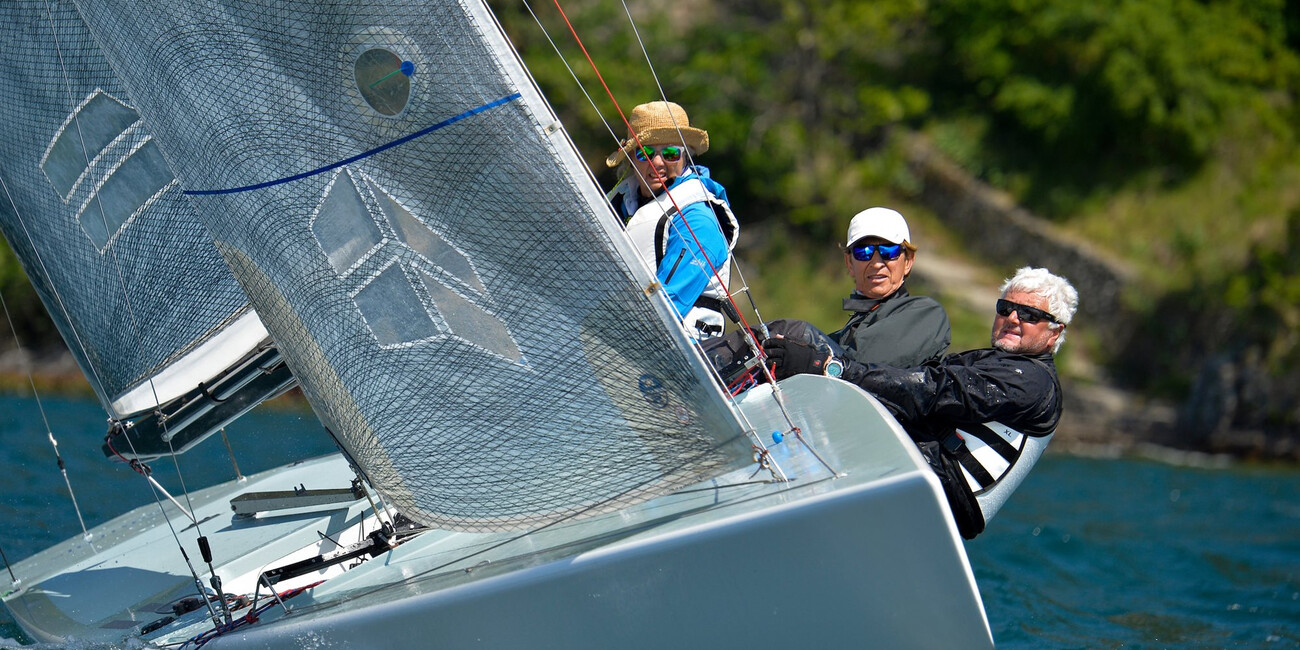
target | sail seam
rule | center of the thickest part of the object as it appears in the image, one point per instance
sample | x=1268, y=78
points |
x=400, y=141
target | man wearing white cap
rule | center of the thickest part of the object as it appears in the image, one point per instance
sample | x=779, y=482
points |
x=888, y=325
x=658, y=178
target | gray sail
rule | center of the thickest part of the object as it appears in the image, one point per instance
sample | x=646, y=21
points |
x=100, y=223
x=428, y=251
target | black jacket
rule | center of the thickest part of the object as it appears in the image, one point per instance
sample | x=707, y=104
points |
x=964, y=390
x=967, y=388
x=898, y=330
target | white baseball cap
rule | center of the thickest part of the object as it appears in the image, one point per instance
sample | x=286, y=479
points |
x=884, y=223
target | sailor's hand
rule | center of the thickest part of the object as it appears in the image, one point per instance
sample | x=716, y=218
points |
x=793, y=358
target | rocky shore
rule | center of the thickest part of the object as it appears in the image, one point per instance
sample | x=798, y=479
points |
x=1099, y=420
x=52, y=370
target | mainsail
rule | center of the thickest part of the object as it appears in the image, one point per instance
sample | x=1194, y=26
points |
x=423, y=243
x=103, y=230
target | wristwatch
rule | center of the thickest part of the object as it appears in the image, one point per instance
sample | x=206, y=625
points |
x=833, y=368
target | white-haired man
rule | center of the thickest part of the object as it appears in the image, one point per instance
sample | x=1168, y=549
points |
x=983, y=417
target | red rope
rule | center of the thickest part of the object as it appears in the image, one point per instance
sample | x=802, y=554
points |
x=247, y=619
x=132, y=463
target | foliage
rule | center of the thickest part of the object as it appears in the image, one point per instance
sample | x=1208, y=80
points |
x=792, y=277
x=1060, y=102
x=25, y=314
x=1265, y=297
x=1249, y=320
x=1165, y=130
x=1083, y=96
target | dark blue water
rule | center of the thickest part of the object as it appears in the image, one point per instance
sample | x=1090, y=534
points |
x=1088, y=554
x=1139, y=554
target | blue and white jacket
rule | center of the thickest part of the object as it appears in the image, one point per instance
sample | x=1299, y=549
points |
x=662, y=238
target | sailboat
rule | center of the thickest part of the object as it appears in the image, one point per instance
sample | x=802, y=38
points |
x=218, y=201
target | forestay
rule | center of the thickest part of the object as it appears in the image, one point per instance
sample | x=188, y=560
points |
x=100, y=224
x=422, y=241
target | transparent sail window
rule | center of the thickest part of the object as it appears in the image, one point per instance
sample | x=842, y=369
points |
x=468, y=321
x=99, y=121
x=142, y=176
x=343, y=227
x=384, y=80
x=393, y=311
x=427, y=243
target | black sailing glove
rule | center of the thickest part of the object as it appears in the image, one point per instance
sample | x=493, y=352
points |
x=793, y=358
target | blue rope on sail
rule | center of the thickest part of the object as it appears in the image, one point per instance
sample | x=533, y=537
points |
x=400, y=141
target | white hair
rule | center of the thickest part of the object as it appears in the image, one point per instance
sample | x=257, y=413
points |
x=1062, y=299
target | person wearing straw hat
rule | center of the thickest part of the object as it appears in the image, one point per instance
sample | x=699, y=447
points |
x=690, y=250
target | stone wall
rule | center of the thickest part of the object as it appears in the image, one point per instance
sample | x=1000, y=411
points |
x=1236, y=405
x=995, y=227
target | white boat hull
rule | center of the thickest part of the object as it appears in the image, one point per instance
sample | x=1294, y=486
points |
x=868, y=558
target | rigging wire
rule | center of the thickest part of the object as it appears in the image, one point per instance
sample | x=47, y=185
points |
x=180, y=476
x=122, y=284
x=664, y=95
x=637, y=138
x=14, y=581
x=747, y=331
x=94, y=378
x=777, y=394
x=35, y=394
x=126, y=297
x=581, y=86
x=239, y=477
x=573, y=31
x=658, y=177
x=618, y=143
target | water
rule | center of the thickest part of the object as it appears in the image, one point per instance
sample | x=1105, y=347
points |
x=35, y=511
x=1138, y=554
x=1088, y=553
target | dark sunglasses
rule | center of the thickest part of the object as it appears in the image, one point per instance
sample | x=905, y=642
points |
x=888, y=252
x=670, y=153
x=1026, y=313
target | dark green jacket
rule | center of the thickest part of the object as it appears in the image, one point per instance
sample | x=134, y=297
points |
x=899, y=330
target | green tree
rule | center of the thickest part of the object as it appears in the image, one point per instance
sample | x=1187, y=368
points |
x=26, y=314
x=1091, y=94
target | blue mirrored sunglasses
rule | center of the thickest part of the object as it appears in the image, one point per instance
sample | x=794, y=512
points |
x=1026, y=313
x=888, y=252
x=671, y=153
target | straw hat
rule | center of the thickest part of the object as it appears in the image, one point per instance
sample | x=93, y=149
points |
x=660, y=122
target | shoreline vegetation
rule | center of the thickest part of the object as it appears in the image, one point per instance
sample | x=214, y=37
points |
x=54, y=371
x=1150, y=152
x=1099, y=421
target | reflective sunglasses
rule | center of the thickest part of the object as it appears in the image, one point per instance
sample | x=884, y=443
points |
x=888, y=252
x=1026, y=313
x=671, y=153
